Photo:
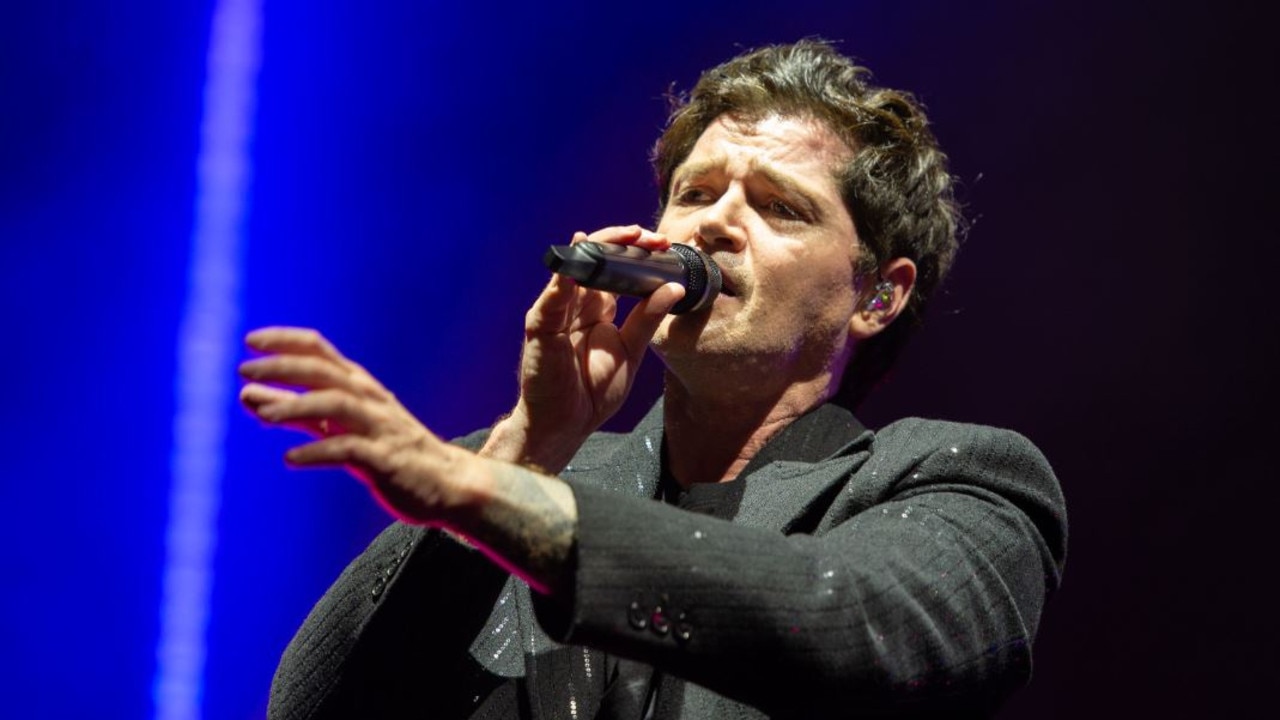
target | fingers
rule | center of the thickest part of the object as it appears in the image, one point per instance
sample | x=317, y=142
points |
x=396, y=490
x=594, y=307
x=320, y=412
x=294, y=340
x=652, y=241
x=260, y=399
x=274, y=406
x=297, y=370
x=301, y=357
x=349, y=450
x=339, y=395
x=660, y=301
x=627, y=235
x=618, y=234
x=357, y=423
x=645, y=319
x=565, y=306
x=551, y=312
x=253, y=396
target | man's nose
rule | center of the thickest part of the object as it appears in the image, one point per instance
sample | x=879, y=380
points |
x=721, y=225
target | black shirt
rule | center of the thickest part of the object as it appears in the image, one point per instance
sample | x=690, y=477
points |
x=813, y=437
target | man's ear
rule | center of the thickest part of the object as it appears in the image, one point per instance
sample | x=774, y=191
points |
x=882, y=299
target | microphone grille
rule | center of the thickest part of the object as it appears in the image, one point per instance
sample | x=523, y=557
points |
x=702, y=280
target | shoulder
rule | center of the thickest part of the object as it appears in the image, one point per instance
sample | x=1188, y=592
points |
x=994, y=464
x=934, y=452
x=916, y=439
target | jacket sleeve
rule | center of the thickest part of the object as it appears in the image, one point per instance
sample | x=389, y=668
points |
x=393, y=632
x=924, y=596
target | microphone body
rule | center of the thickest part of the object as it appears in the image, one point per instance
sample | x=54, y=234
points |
x=630, y=270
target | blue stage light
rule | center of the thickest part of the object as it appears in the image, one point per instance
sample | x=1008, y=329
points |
x=207, y=347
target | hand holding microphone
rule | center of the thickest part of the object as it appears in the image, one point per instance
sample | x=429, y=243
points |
x=578, y=362
x=631, y=270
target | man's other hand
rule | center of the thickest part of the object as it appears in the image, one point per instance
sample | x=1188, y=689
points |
x=577, y=366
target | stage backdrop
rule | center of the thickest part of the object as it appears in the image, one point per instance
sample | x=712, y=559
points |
x=173, y=174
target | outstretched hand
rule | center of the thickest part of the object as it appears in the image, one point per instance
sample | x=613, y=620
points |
x=577, y=366
x=524, y=521
x=356, y=422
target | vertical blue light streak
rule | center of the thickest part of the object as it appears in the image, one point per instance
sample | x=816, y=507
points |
x=207, y=345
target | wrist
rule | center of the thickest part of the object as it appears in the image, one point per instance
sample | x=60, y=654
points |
x=523, y=520
x=465, y=488
x=516, y=439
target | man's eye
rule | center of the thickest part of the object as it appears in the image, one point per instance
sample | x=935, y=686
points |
x=691, y=195
x=784, y=210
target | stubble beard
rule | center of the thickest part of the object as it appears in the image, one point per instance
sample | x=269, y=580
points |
x=745, y=355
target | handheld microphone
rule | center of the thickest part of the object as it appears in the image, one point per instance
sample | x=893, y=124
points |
x=630, y=270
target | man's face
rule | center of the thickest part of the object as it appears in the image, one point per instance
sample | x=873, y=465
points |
x=762, y=200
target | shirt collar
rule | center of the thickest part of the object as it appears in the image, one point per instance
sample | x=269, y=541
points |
x=814, y=436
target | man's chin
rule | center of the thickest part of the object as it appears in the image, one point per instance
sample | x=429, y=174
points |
x=697, y=339
x=683, y=333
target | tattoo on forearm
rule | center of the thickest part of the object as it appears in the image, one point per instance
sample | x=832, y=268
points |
x=527, y=529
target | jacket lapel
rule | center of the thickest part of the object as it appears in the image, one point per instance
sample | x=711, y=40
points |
x=780, y=494
x=790, y=496
x=633, y=466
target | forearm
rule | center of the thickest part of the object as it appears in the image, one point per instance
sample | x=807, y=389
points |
x=523, y=520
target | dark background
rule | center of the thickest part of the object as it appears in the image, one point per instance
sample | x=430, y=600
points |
x=412, y=160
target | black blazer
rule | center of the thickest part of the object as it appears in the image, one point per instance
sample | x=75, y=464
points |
x=904, y=574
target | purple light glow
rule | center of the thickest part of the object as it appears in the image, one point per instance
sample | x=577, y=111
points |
x=207, y=346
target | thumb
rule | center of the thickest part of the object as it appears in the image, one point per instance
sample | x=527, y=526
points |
x=646, y=317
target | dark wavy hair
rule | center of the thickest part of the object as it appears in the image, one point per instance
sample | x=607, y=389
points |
x=897, y=187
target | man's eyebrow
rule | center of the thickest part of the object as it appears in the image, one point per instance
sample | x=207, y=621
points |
x=789, y=185
x=696, y=169
x=800, y=192
x=768, y=172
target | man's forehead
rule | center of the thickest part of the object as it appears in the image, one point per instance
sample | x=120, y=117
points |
x=772, y=142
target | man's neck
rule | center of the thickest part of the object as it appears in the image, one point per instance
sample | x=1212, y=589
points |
x=712, y=438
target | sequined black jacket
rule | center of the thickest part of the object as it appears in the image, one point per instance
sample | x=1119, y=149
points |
x=902, y=575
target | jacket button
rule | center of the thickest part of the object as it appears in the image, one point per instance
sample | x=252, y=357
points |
x=637, y=616
x=659, y=621
x=683, y=628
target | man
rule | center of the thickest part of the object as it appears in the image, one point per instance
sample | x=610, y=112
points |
x=749, y=550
